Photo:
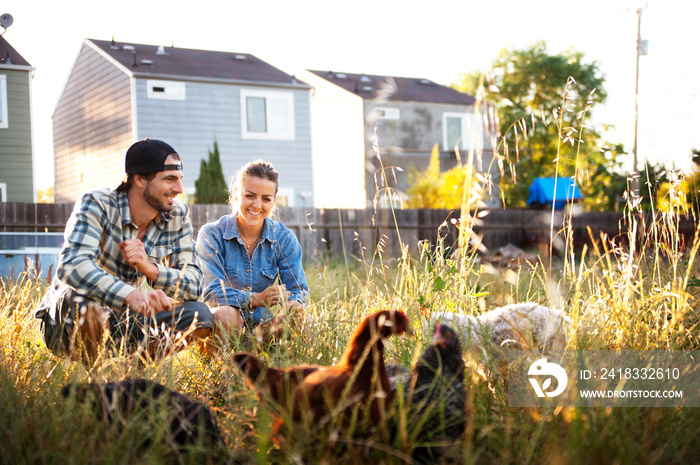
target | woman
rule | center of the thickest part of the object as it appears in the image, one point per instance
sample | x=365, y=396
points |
x=252, y=265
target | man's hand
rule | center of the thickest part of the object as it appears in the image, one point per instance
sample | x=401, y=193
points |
x=148, y=303
x=273, y=295
x=135, y=254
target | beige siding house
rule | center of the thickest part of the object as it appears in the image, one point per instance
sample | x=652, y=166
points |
x=92, y=126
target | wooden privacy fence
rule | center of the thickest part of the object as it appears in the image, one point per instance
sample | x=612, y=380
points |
x=334, y=232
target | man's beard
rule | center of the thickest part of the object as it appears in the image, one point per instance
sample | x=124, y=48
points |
x=154, y=202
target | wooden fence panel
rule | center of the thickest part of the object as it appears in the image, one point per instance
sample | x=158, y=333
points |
x=335, y=232
x=497, y=228
x=300, y=221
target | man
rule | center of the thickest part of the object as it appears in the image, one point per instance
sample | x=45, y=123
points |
x=116, y=242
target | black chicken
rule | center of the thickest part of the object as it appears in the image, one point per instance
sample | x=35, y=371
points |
x=436, y=398
x=191, y=422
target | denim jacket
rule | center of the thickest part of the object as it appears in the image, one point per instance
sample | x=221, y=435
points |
x=231, y=277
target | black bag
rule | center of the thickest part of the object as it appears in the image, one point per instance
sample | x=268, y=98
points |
x=56, y=318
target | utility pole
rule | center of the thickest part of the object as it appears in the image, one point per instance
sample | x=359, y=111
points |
x=635, y=168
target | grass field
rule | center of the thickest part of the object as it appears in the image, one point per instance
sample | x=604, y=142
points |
x=642, y=296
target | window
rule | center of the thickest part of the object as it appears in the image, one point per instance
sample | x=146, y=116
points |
x=256, y=110
x=454, y=128
x=285, y=197
x=387, y=113
x=465, y=129
x=3, y=103
x=3, y=192
x=267, y=114
x=165, y=90
x=392, y=199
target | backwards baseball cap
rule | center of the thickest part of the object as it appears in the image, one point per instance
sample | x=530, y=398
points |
x=148, y=156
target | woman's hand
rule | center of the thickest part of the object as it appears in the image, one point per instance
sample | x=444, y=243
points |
x=291, y=317
x=273, y=295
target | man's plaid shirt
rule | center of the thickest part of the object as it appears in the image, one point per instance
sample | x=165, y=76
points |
x=92, y=263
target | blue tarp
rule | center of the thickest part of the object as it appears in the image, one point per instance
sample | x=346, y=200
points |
x=542, y=192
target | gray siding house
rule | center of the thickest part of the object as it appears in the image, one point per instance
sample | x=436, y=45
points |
x=16, y=150
x=355, y=116
x=118, y=93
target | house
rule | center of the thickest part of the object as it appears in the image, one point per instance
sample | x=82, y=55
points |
x=356, y=116
x=118, y=93
x=16, y=150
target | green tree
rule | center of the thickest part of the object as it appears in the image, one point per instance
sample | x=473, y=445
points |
x=606, y=184
x=695, y=156
x=652, y=179
x=544, y=103
x=210, y=187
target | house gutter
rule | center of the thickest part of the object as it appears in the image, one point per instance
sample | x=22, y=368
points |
x=17, y=67
x=242, y=82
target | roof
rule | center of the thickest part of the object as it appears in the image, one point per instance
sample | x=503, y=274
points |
x=404, y=89
x=542, y=191
x=9, y=56
x=153, y=60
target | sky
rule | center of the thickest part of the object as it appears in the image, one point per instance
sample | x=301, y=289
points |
x=436, y=40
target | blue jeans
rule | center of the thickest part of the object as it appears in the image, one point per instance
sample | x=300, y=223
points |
x=58, y=324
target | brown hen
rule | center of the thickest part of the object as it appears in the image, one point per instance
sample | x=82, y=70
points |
x=273, y=385
x=357, y=379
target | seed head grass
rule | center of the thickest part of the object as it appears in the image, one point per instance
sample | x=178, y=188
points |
x=636, y=295
x=636, y=291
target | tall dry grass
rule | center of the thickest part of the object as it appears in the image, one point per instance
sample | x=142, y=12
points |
x=621, y=296
x=636, y=291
